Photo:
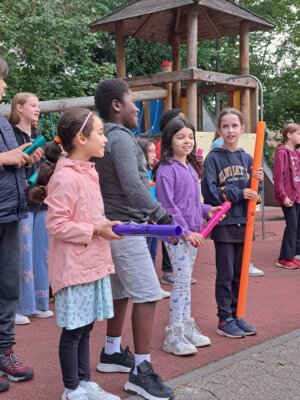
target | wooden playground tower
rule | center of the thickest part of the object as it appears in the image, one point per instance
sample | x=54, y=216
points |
x=176, y=22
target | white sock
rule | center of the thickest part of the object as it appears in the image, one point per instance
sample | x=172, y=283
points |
x=83, y=383
x=138, y=359
x=112, y=345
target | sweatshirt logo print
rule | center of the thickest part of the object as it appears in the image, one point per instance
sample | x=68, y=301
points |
x=234, y=172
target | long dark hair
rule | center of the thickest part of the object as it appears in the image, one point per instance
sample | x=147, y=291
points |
x=166, y=152
x=69, y=124
x=144, y=145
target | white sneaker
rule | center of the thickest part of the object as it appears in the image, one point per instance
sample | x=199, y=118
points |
x=42, y=314
x=253, y=271
x=78, y=394
x=194, y=335
x=95, y=392
x=165, y=294
x=176, y=343
x=21, y=319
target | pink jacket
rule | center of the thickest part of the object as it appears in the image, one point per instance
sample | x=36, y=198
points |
x=286, y=174
x=75, y=205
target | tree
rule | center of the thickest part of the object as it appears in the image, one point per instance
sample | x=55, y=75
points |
x=49, y=46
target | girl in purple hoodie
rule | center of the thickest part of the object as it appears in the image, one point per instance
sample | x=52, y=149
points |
x=287, y=194
x=177, y=188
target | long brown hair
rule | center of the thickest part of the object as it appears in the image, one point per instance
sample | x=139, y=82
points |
x=288, y=128
x=19, y=98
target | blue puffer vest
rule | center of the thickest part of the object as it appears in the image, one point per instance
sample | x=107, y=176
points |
x=12, y=180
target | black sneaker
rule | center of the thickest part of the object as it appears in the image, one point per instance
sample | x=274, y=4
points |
x=244, y=326
x=116, y=362
x=148, y=384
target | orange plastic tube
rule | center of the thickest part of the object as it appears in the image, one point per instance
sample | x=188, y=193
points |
x=257, y=160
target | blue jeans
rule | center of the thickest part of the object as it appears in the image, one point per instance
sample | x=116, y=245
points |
x=34, y=287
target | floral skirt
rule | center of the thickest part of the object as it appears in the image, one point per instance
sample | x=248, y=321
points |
x=80, y=305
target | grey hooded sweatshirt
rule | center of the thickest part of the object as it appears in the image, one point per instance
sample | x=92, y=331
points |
x=123, y=179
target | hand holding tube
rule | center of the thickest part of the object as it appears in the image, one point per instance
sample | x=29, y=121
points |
x=215, y=219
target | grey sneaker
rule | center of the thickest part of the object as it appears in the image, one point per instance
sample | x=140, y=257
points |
x=148, y=384
x=168, y=278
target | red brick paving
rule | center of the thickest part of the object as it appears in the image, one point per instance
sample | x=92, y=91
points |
x=272, y=306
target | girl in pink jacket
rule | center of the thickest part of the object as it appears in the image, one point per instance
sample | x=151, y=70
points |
x=287, y=194
x=79, y=253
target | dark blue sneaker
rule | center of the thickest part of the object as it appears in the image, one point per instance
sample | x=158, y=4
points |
x=116, y=362
x=229, y=328
x=242, y=324
x=4, y=385
x=148, y=384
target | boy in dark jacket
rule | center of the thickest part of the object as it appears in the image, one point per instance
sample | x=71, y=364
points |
x=12, y=209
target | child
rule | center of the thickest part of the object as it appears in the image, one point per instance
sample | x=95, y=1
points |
x=79, y=257
x=218, y=142
x=177, y=188
x=148, y=148
x=287, y=194
x=227, y=177
x=34, y=285
x=126, y=195
x=13, y=208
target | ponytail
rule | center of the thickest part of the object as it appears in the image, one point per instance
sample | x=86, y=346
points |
x=52, y=153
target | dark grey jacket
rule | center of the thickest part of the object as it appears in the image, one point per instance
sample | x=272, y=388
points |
x=123, y=179
x=12, y=180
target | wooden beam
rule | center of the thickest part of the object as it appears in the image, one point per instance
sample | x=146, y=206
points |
x=189, y=74
x=192, y=46
x=120, y=50
x=225, y=79
x=143, y=26
x=210, y=23
x=177, y=20
x=86, y=102
x=212, y=89
x=244, y=70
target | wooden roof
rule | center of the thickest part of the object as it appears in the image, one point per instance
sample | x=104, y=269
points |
x=159, y=20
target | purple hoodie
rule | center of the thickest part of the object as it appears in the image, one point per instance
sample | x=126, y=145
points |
x=178, y=190
x=286, y=174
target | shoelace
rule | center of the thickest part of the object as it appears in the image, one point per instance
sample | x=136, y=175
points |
x=12, y=361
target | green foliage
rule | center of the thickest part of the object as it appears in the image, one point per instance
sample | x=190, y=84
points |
x=52, y=52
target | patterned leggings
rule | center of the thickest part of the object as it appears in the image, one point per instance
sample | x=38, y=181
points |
x=182, y=258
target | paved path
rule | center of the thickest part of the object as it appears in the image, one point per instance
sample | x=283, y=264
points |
x=269, y=371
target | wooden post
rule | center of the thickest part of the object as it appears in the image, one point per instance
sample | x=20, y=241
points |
x=120, y=50
x=166, y=66
x=244, y=70
x=192, y=41
x=176, y=89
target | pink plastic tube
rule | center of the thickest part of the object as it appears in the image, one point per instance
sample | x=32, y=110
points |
x=215, y=219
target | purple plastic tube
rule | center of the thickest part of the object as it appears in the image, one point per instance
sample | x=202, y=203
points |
x=215, y=219
x=148, y=230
